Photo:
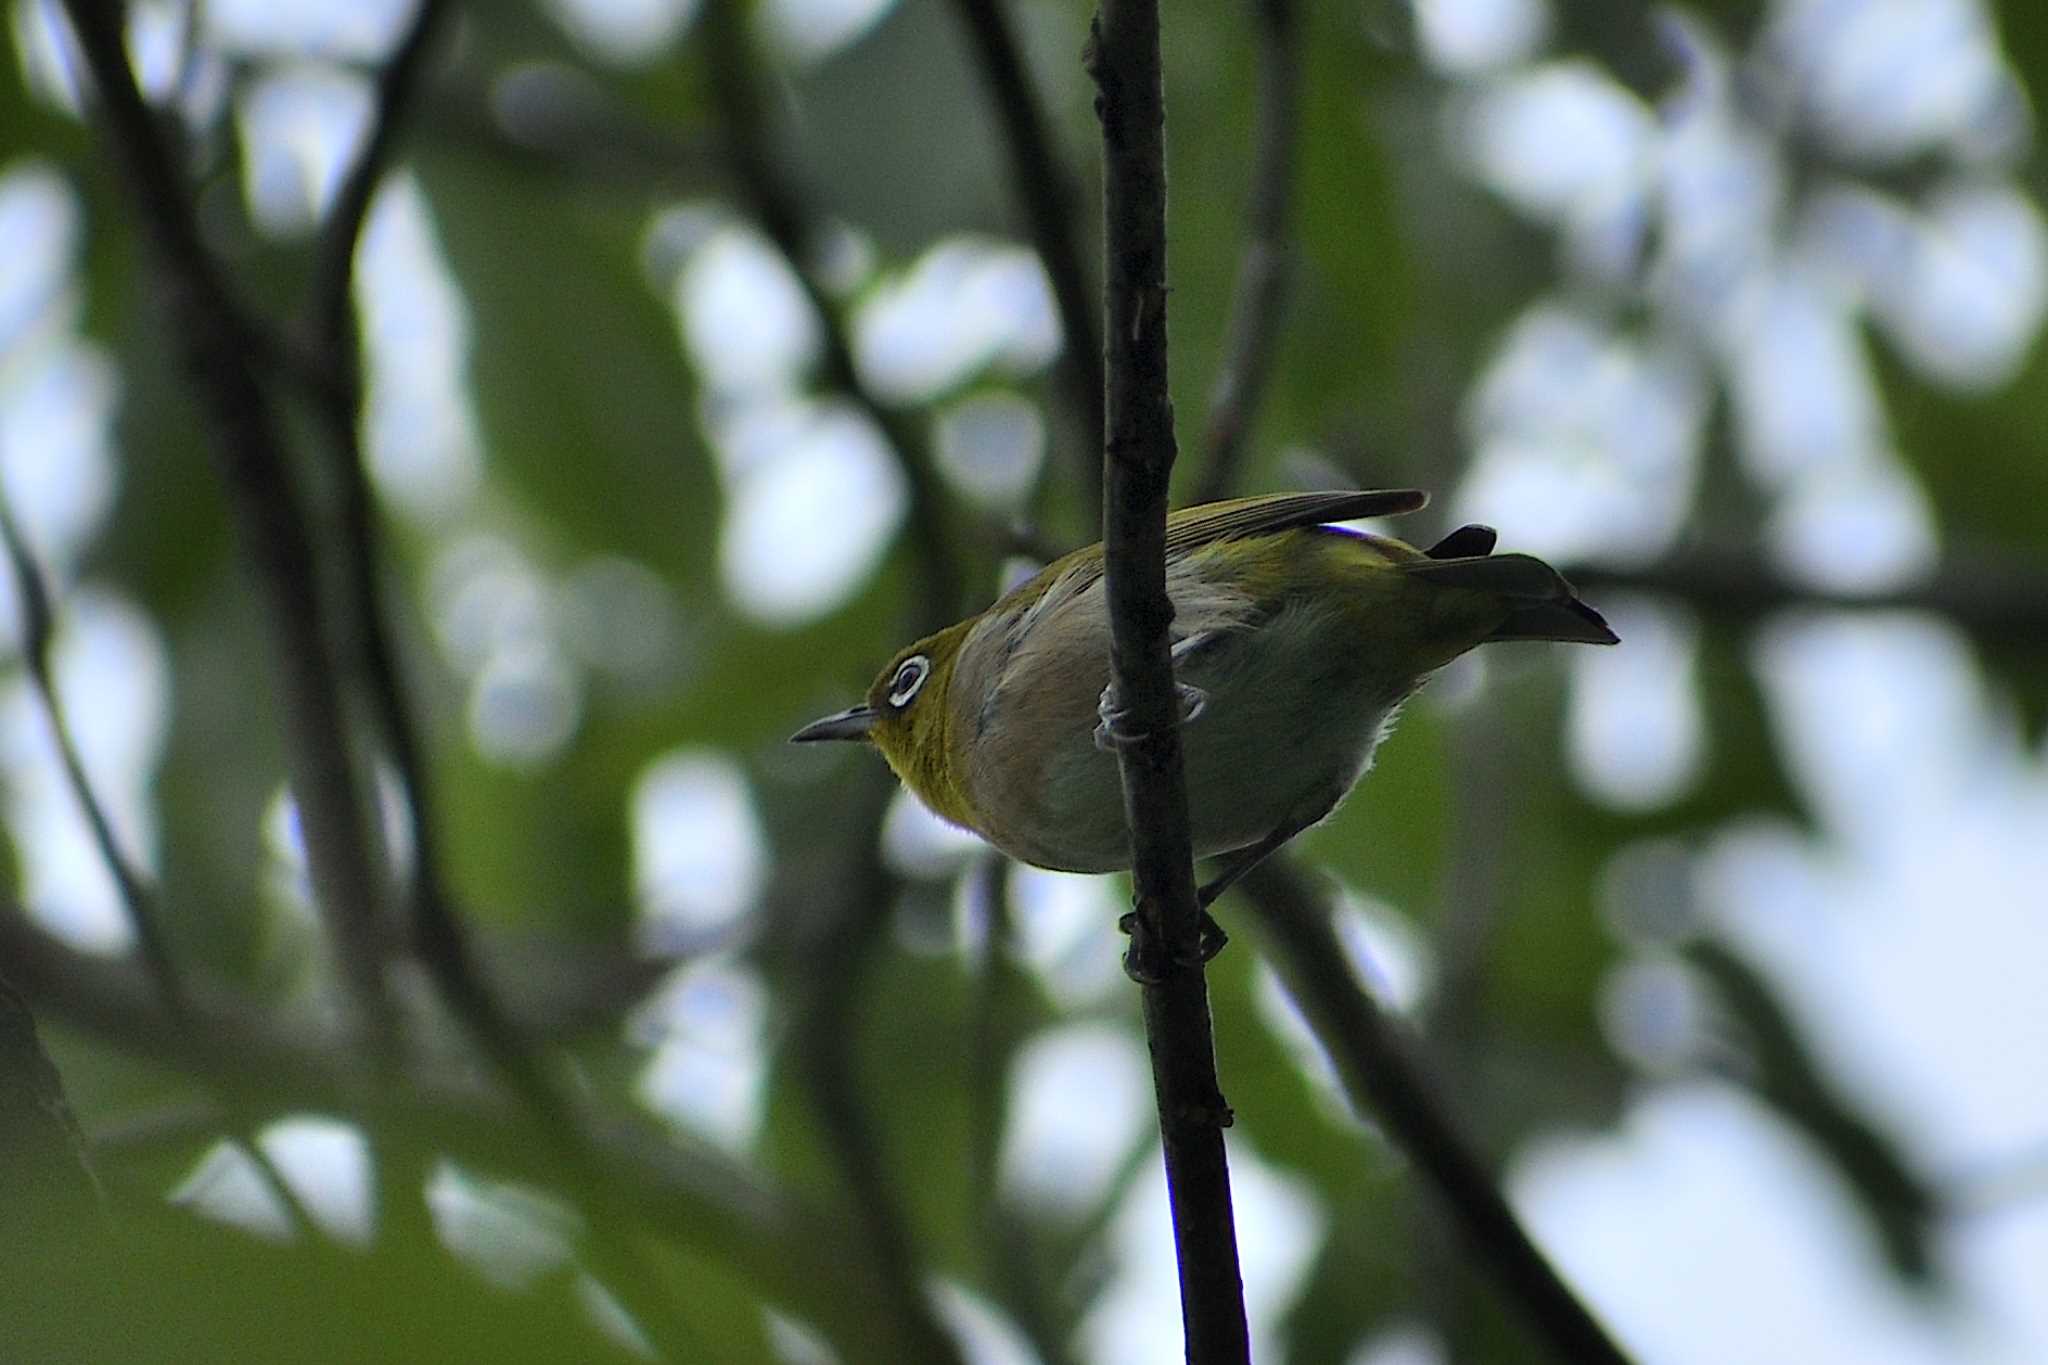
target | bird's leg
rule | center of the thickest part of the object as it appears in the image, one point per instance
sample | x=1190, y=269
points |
x=1233, y=866
x=1113, y=733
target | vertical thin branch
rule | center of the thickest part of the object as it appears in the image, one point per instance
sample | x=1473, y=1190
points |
x=37, y=637
x=1007, y=1245
x=1124, y=60
x=780, y=212
x=1260, y=294
x=439, y=935
x=220, y=353
x=1385, y=1081
x=835, y=964
x=1046, y=193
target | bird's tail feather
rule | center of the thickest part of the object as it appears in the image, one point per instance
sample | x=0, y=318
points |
x=1542, y=604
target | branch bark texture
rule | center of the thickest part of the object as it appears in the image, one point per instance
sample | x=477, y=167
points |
x=1138, y=462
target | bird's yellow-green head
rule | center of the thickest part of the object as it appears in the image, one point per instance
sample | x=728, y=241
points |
x=907, y=717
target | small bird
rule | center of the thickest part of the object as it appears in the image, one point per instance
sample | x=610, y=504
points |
x=1294, y=642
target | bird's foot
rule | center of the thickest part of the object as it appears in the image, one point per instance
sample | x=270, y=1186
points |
x=1150, y=962
x=1115, y=731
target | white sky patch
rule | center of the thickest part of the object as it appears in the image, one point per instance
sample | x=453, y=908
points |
x=986, y=1335
x=623, y=32
x=1800, y=381
x=57, y=408
x=806, y=526
x=709, y=1072
x=327, y=1165
x=1079, y=1103
x=228, y=1186
x=39, y=221
x=1064, y=926
x=48, y=53
x=1279, y=1223
x=1588, y=441
x=524, y=705
x=1634, y=733
x=699, y=854
x=795, y=1342
x=747, y=326
x=1563, y=141
x=1746, y=1215
x=808, y=31
x=1882, y=80
x=1968, y=303
x=1922, y=893
x=300, y=128
x=1860, y=528
x=1722, y=194
x=1412, y=1344
x=917, y=843
x=338, y=30
x=509, y=1234
x=420, y=427
x=611, y=1318
x=990, y=446
x=967, y=305
x=1467, y=37
x=484, y=595
x=114, y=681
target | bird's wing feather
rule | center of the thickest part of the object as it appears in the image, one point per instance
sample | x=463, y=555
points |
x=1193, y=527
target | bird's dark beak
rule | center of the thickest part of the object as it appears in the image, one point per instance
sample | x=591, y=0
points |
x=852, y=723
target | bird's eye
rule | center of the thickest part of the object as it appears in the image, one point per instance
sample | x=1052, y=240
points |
x=910, y=676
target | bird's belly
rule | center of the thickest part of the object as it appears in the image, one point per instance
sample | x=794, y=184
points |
x=1254, y=762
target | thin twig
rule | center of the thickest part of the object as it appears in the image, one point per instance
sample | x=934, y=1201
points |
x=331, y=311
x=782, y=214
x=1997, y=600
x=1047, y=195
x=1385, y=1081
x=220, y=352
x=440, y=937
x=37, y=639
x=1007, y=1242
x=1259, y=297
x=1124, y=60
x=846, y=930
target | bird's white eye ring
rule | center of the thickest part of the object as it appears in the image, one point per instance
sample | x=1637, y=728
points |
x=910, y=676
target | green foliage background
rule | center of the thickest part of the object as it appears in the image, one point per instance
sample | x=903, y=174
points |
x=1405, y=276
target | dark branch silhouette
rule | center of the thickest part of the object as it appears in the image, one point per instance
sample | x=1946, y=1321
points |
x=779, y=210
x=1124, y=60
x=1386, y=1082
x=220, y=351
x=1045, y=191
x=1259, y=296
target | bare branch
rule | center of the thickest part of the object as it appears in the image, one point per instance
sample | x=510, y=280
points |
x=845, y=896
x=1045, y=191
x=780, y=211
x=221, y=353
x=1385, y=1081
x=1995, y=600
x=38, y=632
x=331, y=311
x=1124, y=60
x=1260, y=294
